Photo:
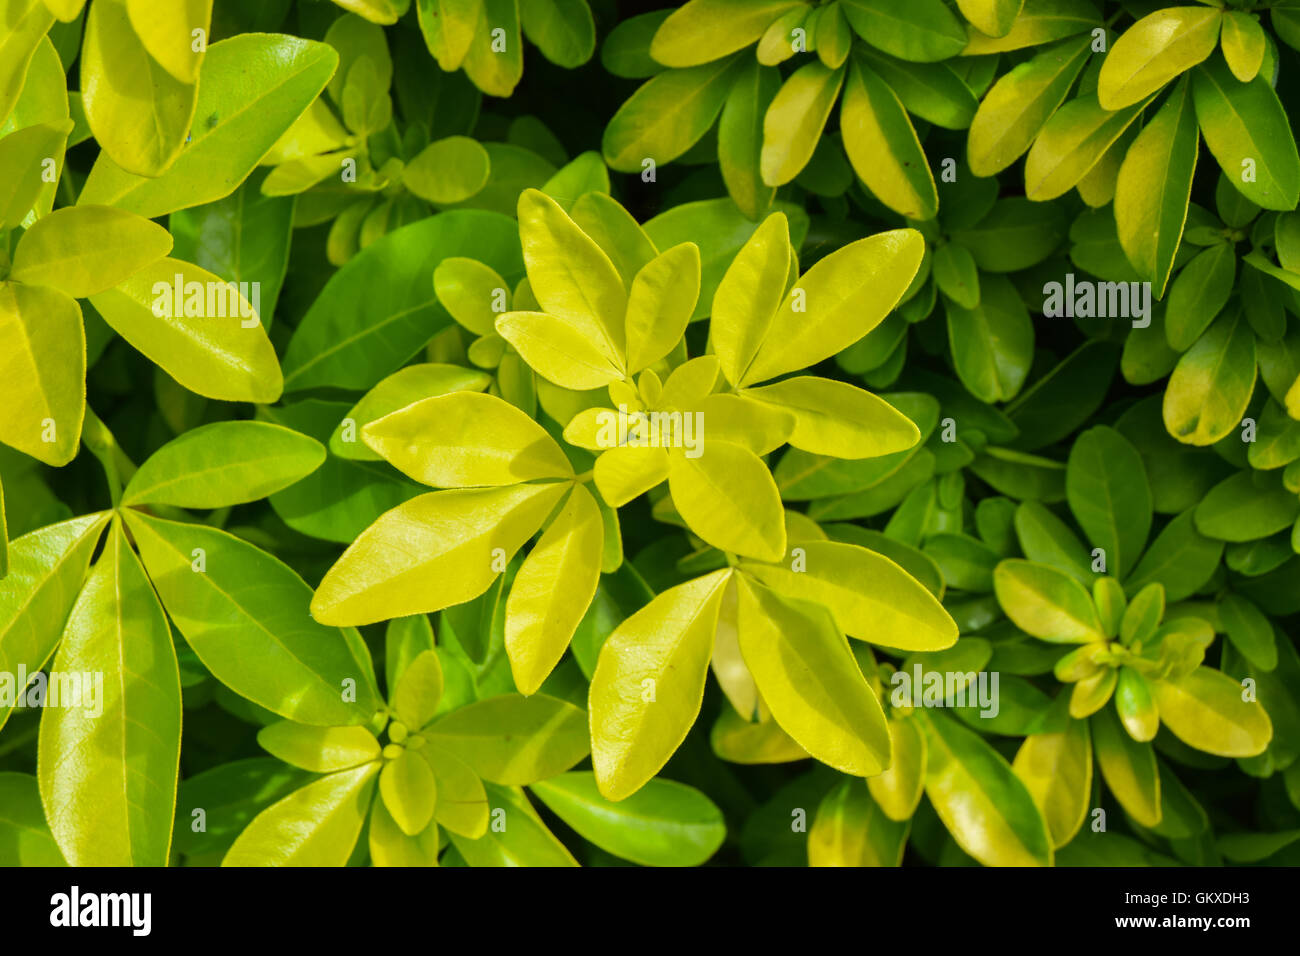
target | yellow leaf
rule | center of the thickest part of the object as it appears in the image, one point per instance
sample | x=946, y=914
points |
x=1057, y=769
x=431, y=552
x=872, y=598
x=838, y=301
x=794, y=122
x=748, y=296
x=171, y=31
x=660, y=304
x=568, y=351
x=835, y=418
x=622, y=474
x=468, y=290
x=466, y=439
x=729, y=498
x=810, y=680
x=553, y=589
x=85, y=250
x=1153, y=51
x=649, y=683
x=897, y=789
x=704, y=30
x=42, y=372
x=1208, y=710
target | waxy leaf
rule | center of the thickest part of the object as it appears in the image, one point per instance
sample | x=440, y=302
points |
x=514, y=740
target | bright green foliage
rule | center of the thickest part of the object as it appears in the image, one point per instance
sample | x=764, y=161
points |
x=543, y=433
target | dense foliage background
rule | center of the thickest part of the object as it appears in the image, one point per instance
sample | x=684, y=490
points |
x=971, y=535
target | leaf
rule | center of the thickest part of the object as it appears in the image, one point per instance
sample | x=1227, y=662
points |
x=1153, y=51
x=389, y=846
x=245, y=606
x=448, y=171
x=26, y=23
x=649, y=684
x=1180, y=558
x=882, y=145
x=740, y=138
x=992, y=344
x=512, y=739
x=1020, y=103
x=522, y=840
x=377, y=311
x=571, y=353
x=140, y=114
x=42, y=372
x=466, y=439
x=1250, y=630
x=21, y=181
x=462, y=804
x=409, y=791
x=431, y=552
x=871, y=597
x=254, y=87
x=109, y=760
x=1057, y=770
x=1046, y=603
x=1244, y=44
x=1212, y=383
x=992, y=17
x=984, y=805
x=1247, y=130
x=659, y=306
x=1154, y=186
x=663, y=824
x=834, y=418
x=1040, y=21
x=727, y=496
x=667, y=115
x=704, y=30
x=1071, y=143
x=808, y=678
x=847, y=294
x=898, y=789
x=46, y=570
x=223, y=464
x=793, y=123
x=748, y=296
x=924, y=31
x=1207, y=710
x=1106, y=485
x=25, y=838
x=317, y=825
x=319, y=749
x=850, y=829
x=1198, y=294
x=1128, y=767
x=562, y=29
x=553, y=589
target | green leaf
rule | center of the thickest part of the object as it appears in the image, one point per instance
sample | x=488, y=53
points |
x=317, y=825
x=376, y=312
x=26, y=23
x=1047, y=603
x=1154, y=186
x=25, y=838
x=1240, y=509
x=793, y=123
x=704, y=30
x=448, y=171
x=1106, y=486
x=245, y=606
x=649, y=683
x=1198, y=294
x=254, y=87
x=521, y=840
x=992, y=344
x=1071, y=143
x=417, y=692
x=992, y=17
x=1153, y=51
x=562, y=29
x=1250, y=630
x=512, y=739
x=1180, y=558
x=109, y=760
x=409, y=791
x=740, y=138
x=923, y=31
x=1247, y=130
x=663, y=824
x=46, y=570
x=223, y=464
x=21, y=180
x=985, y=806
x=1244, y=44
x=667, y=115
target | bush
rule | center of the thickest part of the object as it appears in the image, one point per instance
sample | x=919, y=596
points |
x=429, y=440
